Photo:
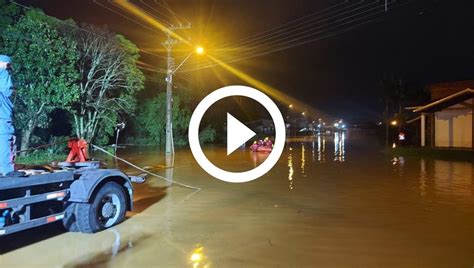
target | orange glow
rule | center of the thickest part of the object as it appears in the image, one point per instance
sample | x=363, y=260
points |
x=149, y=19
x=273, y=92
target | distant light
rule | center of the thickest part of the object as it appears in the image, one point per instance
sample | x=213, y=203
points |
x=343, y=126
x=319, y=125
x=394, y=145
x=199, y=50
x=303, y=113
x=394, y=123
x=336, y=124
x=290, y=106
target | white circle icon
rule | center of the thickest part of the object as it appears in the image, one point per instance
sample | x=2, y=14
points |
x=208, y=166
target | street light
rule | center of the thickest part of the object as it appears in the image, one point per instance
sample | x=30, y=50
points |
x=200, y=50
x=290, y=106
x=394, y=123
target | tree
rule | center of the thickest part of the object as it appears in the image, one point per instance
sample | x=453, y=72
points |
x=43, y=70
x=151, y=121
x=9, y=14
x=109, y=78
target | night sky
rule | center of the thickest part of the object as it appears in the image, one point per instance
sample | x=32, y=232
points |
x=423, y=41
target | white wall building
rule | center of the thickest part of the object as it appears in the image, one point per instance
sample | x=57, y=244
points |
x=447, y=122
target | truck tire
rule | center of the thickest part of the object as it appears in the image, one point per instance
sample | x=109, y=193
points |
x=69, y=220
x=105, y=209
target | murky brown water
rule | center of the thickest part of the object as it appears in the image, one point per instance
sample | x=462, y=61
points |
x=328, y=203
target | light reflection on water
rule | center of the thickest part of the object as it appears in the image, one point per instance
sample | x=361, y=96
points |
x=290, y=170
x=453, y=179
x=339, y=150
x=198, y=258
x=321, y=148
x=303, y=160
x=339, y=154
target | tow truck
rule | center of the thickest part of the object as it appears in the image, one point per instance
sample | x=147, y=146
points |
x=78, y=192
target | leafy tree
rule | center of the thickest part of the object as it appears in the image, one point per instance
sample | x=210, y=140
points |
x=9, y=14
x=109, y=78
x=43, y=70
x=151, y=120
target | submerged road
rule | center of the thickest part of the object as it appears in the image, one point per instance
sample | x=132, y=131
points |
x=327, y=203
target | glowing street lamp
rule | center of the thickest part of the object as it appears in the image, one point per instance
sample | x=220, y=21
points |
x=394, y=123
x=200, y=50
x=290, y=106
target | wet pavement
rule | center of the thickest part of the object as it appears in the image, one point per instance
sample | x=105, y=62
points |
x=329, y=202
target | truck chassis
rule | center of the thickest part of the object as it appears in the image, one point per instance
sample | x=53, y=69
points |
x=85, y=198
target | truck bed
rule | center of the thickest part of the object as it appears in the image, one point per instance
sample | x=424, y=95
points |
x=33, y=180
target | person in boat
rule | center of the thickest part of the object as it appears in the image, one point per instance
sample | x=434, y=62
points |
x=254, y=146
x=268, y=142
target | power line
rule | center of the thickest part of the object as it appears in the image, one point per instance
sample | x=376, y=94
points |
x=289, y=45
x=270, y=50
x=151, y=53
x=269, y=36
x=170, y=10
x=158, y=11
x=128, y=18
x=306, y=24
x=261, y=43
x=282, y=27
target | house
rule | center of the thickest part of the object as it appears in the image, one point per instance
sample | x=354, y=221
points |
x=447, y=121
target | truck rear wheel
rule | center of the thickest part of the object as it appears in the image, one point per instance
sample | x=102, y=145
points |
x=106, y=209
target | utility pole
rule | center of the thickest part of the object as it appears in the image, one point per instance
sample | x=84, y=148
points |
x=168, y=44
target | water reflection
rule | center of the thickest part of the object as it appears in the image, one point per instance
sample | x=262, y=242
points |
x=423, y=178
x=339, y=150
x=398, y=164
x=198, y=259
x=303, y=161
x=258, y=158
x=321, y=148
x=290, y=170
x=454, y=179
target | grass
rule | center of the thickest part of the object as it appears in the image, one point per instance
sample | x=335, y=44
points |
x=40, y=158
x=442, y=154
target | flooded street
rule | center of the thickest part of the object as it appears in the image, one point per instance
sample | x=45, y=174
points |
x=329, y=202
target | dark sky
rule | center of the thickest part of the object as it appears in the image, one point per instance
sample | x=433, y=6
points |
x=424, y=41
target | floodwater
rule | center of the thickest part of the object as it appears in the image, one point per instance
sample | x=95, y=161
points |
x=329, y=202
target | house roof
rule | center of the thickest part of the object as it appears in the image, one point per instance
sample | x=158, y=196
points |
x=446, y=101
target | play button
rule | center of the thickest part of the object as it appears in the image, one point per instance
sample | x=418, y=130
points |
x=237, y=134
